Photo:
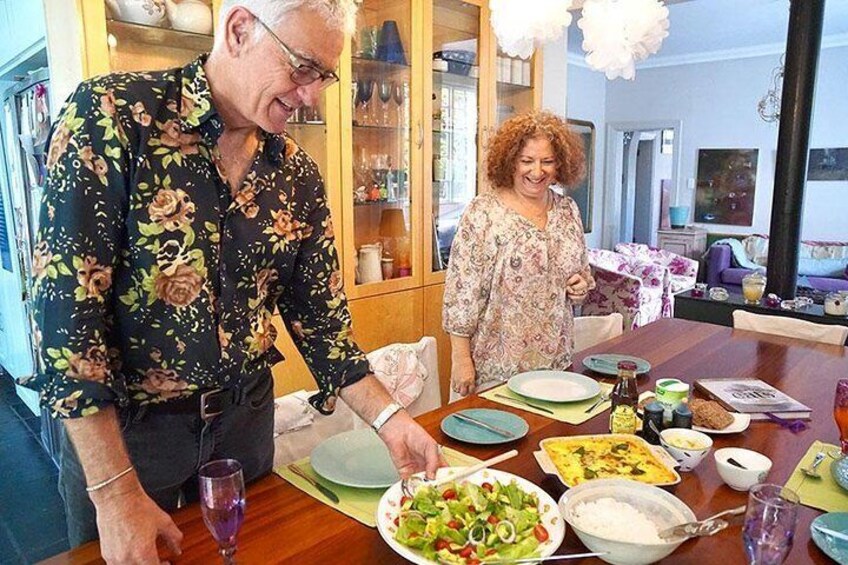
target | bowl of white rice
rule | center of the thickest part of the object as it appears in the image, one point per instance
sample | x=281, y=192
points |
x=624, y=518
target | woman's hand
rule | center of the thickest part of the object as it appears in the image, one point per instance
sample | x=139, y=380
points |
x=463, y=375
x=577, y=287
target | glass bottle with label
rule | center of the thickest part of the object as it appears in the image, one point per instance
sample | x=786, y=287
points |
x=625, y=400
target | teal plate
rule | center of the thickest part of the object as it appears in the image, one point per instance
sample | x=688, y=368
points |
x=607, y=363
x=836, y=549
x=472, y=433
x=357, y=458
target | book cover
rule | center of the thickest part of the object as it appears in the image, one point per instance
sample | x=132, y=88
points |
x=752, y=396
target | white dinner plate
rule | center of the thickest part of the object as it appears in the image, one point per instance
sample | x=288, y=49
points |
x=389, y=506
x=357, y=458
x=554, y=386
x=740, y=424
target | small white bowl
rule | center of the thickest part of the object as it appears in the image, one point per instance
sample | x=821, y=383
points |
x=757, y=467
x=688, y=458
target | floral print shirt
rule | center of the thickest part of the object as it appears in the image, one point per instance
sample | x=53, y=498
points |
x=506, y=287
x=153, y=281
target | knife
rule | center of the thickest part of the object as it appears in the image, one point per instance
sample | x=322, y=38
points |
x=548, y=558
x=484, y=425
x=321, y=488
x=524, y=402
x=827, y=531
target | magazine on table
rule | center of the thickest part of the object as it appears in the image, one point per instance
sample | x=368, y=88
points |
x=754, y=397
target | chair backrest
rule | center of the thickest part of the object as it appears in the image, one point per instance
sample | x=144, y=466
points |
x=790, y=327
x=592, y=330
x=410, y=372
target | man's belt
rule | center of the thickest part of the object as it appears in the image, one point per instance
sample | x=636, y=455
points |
x=207, y=404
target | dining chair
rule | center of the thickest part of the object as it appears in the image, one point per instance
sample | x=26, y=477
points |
x=790, y=327
x=592, y=330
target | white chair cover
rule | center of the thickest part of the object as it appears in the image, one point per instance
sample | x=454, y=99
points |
x=789, y=327
x=592, y=330
x=413, y=381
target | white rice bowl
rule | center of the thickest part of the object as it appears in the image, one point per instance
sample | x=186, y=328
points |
x=618, y=533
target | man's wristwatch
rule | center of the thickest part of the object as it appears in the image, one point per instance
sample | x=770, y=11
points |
x=383, y=417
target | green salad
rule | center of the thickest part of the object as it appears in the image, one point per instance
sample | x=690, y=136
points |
x=467, y=524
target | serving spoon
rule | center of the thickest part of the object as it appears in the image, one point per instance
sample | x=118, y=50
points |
x=708, y=527
x=409, y=485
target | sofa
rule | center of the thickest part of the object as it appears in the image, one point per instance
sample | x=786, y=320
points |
x=822, y=266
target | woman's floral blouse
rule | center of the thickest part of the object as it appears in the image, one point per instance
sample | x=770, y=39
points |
x=153, y=281
x=505, y=287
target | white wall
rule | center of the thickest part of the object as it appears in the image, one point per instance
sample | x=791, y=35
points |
x=717, y=103
x=586, y=101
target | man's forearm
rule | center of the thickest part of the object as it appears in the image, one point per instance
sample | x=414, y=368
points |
x=101, y=451
x=367, y=397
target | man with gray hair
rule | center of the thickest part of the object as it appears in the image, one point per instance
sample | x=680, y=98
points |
x=176, y=218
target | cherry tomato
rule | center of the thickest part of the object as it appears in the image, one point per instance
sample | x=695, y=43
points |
x=403, y=500
x=397, y=521
x=442, y=544
x=472, y=561
x=493, y=519
x=540, y=532
x=453, y=524
x=488, y=486
x=466, y=551
x=449, y=494
x=472, y=509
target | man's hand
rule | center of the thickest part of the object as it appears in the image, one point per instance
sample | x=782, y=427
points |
x=463, y=375
x=411, y=448
x=129, y=523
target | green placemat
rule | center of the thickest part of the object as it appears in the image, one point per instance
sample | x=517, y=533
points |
x=822, y=493
x=570, y=412
x=358, y=503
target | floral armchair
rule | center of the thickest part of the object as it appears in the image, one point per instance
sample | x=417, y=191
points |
x=683, y=272
x=628, y=286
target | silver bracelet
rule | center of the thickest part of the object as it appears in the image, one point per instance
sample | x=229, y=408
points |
x=383, y=417
x=108, y=482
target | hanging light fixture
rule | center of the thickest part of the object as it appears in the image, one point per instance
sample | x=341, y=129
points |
x=521, y=25
x=769, y=105
x=618, y=33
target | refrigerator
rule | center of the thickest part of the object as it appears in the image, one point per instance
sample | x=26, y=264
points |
x=24, y=127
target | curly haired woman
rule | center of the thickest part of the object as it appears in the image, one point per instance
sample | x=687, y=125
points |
x=518, y=261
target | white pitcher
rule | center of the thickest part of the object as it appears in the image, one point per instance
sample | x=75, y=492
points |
x=145, y=12
x=189, y=15
x=369, y=268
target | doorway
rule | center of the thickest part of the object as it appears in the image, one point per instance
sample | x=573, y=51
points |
x=642, y=159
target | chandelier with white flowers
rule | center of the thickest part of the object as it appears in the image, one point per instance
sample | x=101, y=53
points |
x=616, y=33
x=521, y=24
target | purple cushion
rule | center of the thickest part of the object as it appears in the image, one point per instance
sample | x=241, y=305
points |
x=734, y=275
x=827, y=284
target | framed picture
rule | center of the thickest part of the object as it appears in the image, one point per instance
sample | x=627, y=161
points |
x=727, y=179
x=582, y=191
x=828, y=164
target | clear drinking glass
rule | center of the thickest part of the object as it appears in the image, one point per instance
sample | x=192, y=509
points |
x=384, y=91
x=769, y=524
x=222, y=502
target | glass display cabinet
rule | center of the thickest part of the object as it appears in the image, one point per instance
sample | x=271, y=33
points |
x=381, y=223
x=457, y=71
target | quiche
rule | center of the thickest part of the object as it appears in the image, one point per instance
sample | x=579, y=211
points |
x=616, y=456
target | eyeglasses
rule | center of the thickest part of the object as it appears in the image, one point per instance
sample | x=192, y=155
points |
x=302, y=73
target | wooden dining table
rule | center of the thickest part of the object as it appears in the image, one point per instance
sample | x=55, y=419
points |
x=284, y=525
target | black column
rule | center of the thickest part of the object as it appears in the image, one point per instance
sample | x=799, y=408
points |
x=799, y=80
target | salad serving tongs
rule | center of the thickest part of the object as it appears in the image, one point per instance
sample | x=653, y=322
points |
x=562, y=557
x=708, y=527
x=409, y=485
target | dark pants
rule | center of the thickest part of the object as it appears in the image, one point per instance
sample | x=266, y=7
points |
x=167, y=450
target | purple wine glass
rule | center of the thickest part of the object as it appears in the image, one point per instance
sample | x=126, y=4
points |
x=222, y=502
x=769, y=524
